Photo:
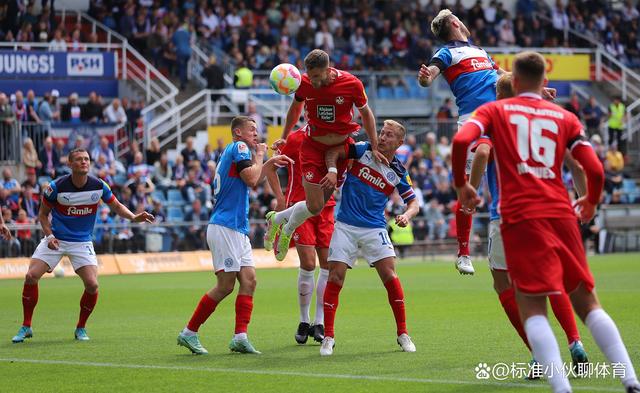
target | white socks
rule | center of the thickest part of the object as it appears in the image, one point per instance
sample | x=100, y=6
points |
x=546, y=351
x=283, y=215
x=240, y=336
x=299, y=214
x=606, y=335
x=187, y=332
x=322, y=283
x=305, y=291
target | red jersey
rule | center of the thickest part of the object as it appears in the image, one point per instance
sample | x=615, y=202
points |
x=291, y=149
x=530, y=136
x=329, y=109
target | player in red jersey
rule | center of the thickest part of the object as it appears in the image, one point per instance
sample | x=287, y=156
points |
x=328, y=96
x=542, y=242
x=310, y=238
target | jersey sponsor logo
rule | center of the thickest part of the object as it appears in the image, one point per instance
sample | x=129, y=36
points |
x=79, y=211
x=339, y=100
x=481, y=64
x=365, y=173
x=326, y=113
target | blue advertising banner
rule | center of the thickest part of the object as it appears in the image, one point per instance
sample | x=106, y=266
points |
x=39, y=65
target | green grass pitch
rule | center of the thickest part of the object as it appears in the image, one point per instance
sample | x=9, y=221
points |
x=456, y=322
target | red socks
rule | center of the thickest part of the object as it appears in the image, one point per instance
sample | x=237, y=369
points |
x=396, y=301
x=244, y=307
x=205, y=308
x=508, y=301
x=331, y=296
x=463, y=230
x=561, y=306
x=29, y=301
x=87, y=303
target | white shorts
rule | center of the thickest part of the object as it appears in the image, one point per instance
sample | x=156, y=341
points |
x=497, y=260
x=80, y=254
x=230, y=250
x=348, y=239
x=470, y=154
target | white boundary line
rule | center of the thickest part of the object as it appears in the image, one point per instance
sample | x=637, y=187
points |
x=303, y=374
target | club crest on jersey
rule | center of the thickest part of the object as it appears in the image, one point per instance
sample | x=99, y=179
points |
x=296, y=236
x=48, y=191
x=308, y=176
x=95, y=197
x=366, y=174
x=391, y=176
x=242, y=147
x=339, y=100
x=228, y=262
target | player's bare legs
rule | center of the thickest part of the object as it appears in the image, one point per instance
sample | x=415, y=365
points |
x=387, y=271
x=605, y=333
x=337, y=274
x=89, y=276
x=37, y=268
x=293, y=217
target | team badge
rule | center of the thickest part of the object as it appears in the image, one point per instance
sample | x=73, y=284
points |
x=391, y=176
x=339, y=100
x=242, y=147
x=296, y=236
x=308, y=176
x=48, y=191
x=95, y=197
x=228, y=262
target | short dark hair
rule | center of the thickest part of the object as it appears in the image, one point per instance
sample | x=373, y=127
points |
x=77, y=150
x=529, y=66
x=503, y=86
x=239, y=121
x=317, y=58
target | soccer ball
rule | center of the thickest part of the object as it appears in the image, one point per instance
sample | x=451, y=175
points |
x=285, y=79
x=58, y=272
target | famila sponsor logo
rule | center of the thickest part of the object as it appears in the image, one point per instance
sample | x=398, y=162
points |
x=74, y=211
x=365, y=173
x=480, y=65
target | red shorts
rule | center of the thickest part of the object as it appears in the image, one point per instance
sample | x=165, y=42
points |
x=314, y=167
x=546, y=256
x=315, y=231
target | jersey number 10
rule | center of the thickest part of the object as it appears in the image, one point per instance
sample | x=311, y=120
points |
x=531, y=143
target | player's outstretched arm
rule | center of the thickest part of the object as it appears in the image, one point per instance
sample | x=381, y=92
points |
x=293, y=115
x=331, y=157
x=271, y=172
x=586, y=205
x=427, y=75
x=479, y=164
x=369, y=124
x=412, y=210
x=125, y=213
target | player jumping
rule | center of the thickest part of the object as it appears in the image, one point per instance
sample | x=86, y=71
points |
x=362, y=226
x=328, y=96
x=310, y=238
x=72, y=201
x=542, y=243
x=471, y=75
x=228, y=235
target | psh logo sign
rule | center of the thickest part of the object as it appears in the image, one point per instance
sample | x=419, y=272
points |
x=85, y=64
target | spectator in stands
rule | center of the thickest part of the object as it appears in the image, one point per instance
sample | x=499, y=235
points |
x=103, y=170
x=8, y=248
x=445, y=112
x=142, y=195
x=617, y=120
x=436, y=223
x=32, y=107
x=28, y=202
x=49, y=159
x=32, y=180
x=444, y=147
x=613, y=166
x=141, y=32
x=19, y=108
x=195, y=235
x=58, y=44
x=30, y=159
x=6, y=112
x=219, y=150
x=615, y=47
x=139, y=168
x=27, y=245
x=405, y=151
x=114, y=113
x=206, y=156
x=45, y=113
x=61, y=152
x=261, y=126
x=55, y=105
x=194, y=188
x=214, y=76
x=163, y=173
x=592, y=115
x=182, y=41
x=71, y=111
x=154, y=151
x=10, y=185
x=76, y=42
x=103, y=236
x=189, y=154
x=243, y=78
x=358, y=42
x=134, y=148
x=127, y=20
x=92, y=110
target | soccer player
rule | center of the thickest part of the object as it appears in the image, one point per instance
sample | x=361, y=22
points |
x=228, y=235
x=327, y=95
x=472, y=76
x=362, y=226
x=310, y=238
x=72, y=201
x=542, y=243
x=560, y=303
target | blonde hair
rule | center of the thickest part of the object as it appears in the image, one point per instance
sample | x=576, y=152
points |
x=503, y=86
x=440, y=26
